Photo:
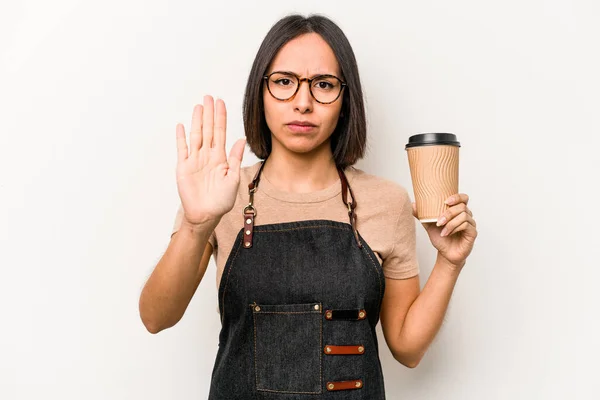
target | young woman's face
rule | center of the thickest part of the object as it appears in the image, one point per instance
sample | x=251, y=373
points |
x=306, y=56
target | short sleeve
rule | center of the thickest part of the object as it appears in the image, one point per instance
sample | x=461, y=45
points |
x=177, y=224
x=402, y=262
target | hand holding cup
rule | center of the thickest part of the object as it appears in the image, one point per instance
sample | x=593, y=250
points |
x=433, y=160
x=454, y=233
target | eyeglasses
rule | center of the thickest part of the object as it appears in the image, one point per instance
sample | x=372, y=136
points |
x=325, y=89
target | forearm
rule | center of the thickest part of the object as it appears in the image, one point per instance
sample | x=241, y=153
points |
x=175, y=278
x=426, y=314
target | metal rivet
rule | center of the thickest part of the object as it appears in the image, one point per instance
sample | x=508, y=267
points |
x=316, y=306
x=247, y=244
x=257, y=308
x=328, y=349
x=248, y=221
x=329, y=314
x=361, y=349
x=247, y=232
x=358, y=384
x=361, y=314
x=330, y=386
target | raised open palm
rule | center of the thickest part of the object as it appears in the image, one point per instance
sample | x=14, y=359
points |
x=207, y=181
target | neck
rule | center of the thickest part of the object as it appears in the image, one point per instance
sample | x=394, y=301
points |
x=301, y=173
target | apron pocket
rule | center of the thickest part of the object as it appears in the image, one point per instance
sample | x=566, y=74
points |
x=288, y=347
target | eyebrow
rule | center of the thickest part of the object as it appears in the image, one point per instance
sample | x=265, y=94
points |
x=293, y=73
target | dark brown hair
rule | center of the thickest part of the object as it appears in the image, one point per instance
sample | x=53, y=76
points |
x=348, y=141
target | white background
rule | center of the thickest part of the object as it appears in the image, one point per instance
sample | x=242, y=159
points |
x=90, y=93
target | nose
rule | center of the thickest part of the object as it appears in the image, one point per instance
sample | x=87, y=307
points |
x=303, y=101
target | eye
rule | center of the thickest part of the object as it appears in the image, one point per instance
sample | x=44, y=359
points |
x=283, y=81
x=324, y=84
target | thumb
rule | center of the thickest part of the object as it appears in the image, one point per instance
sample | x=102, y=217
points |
x=236, y=155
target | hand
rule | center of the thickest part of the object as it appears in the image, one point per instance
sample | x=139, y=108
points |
x=455, y=237
x=207, y=181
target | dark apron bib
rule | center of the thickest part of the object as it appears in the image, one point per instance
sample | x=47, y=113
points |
x=299, y=303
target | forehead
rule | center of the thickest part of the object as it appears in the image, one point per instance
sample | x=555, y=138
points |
x=306, y=55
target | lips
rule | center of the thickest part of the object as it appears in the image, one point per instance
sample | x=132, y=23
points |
x=302, y=123
x=301, y=126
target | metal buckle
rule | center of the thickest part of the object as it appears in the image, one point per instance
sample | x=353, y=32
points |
x=250, y=207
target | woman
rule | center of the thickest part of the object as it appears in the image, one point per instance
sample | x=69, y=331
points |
x=310, y=251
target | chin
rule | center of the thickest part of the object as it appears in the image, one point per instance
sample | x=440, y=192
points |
x=301, y=149
x=303, y=144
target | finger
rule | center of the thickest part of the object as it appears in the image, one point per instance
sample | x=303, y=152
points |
x=451, y=213
x=220, y=126
x=456, y=221
x=196, y=130
x=236, y=155
x=414, y=207
x=468, y=226
x=208, y=121
x=453, y=225
x=462, y=227
x=457, y=198
x=182, y=149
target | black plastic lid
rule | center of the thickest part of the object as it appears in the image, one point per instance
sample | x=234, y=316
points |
x=432, y=139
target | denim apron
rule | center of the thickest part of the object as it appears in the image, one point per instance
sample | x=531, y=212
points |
x=299, y=303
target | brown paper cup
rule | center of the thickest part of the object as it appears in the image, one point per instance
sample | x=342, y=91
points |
x=433, y=161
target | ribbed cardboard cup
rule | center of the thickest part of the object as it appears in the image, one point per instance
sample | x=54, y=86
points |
x=433, y=162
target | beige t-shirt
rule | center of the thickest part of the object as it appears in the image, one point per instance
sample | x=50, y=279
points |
x=384, y=217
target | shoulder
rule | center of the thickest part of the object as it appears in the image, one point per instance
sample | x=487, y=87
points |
x=247, y=173
x=376, y=189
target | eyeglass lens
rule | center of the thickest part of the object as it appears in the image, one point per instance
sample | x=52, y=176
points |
x=325, y=88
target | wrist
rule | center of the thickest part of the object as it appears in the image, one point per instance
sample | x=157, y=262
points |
x=198, y=228
x=443, y=262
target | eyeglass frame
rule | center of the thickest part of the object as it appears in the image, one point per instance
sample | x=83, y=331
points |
x=300, y=80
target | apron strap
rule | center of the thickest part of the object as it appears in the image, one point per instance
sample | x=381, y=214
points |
x=254, y=184
x=351, y=205
x=249, y=211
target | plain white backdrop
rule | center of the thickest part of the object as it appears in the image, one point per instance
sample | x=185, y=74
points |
x=91, y=92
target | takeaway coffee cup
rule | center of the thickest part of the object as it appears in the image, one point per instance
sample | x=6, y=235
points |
x=433, y=163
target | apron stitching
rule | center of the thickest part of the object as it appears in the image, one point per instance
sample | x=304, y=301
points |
x=378, y=274
x=227, y=279
x=282, y=391
x=304, y=227
x=255, y=362
x=289, y=312
x=320, y=345
x=321, y=355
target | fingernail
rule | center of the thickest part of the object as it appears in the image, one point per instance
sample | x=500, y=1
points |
x=441, y=221
x=449, y=201
x=444, y=232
